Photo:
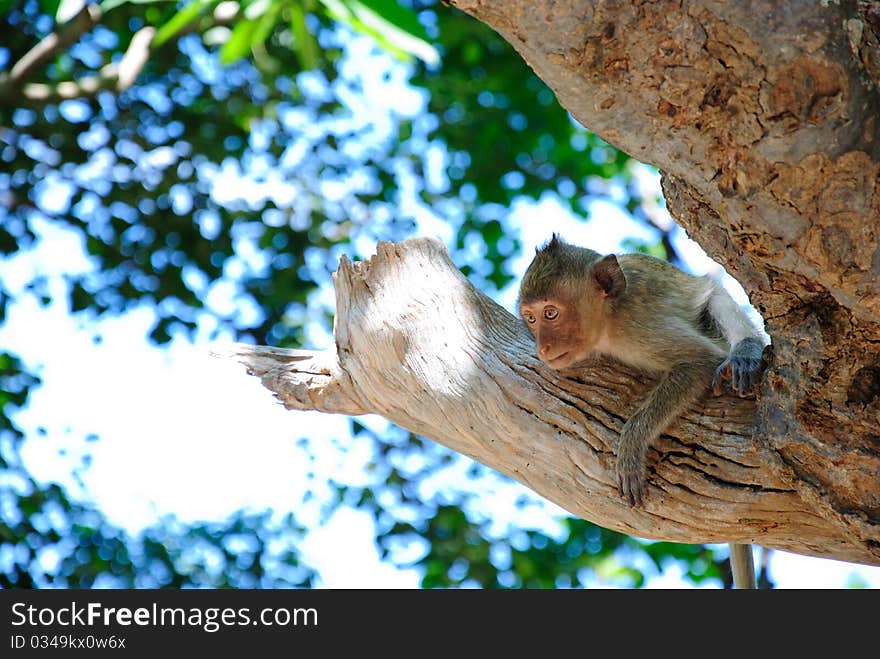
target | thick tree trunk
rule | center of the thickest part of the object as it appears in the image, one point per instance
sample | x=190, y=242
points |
x=763, y=118
x=419, y=345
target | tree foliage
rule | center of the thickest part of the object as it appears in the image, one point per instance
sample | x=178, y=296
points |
x=273, y=95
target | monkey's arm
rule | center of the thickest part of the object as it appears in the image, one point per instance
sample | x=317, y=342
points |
x=743, y=364
x=683, y=384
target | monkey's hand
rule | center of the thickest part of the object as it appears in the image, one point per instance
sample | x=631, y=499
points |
x=742, y=368
x=631, y=467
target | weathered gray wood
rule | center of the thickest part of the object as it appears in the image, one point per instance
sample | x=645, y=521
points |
x=419, y=345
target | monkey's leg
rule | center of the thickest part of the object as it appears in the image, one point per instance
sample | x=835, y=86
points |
x=742, y=564
x=678, y=388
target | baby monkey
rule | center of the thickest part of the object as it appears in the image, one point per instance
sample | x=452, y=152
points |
x=646, y=313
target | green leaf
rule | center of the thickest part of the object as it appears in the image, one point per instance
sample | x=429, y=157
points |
x=5, y=5
x=107, y=5
x=48, y=6
x=180, y=20
x=255, y=8
x=395, y=28
x=398, y=27
x=240, y=41
x=304, y=43
x=399, y=16
x=268, y=17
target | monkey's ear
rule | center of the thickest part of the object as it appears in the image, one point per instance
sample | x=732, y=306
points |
x=608, y=276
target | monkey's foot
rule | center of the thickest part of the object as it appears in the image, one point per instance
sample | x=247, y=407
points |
x=742, y=368
x=631, y=480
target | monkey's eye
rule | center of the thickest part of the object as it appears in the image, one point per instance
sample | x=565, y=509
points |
x=551, y=313
x=530, y=318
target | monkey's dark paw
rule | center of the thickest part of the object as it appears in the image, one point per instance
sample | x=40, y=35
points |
x=631, y=482
x=742, y=368
x=742, y=375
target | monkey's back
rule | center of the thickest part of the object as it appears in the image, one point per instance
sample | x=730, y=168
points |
x=661, y=316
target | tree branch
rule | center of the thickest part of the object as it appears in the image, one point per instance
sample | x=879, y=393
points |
x=301, y=379
x=69, y=33
x=417, y=344
x=115, y=77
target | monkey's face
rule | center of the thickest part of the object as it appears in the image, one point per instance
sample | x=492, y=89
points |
x=562, y=335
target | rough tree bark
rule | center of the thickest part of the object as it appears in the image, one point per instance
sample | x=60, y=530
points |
x=763, y=118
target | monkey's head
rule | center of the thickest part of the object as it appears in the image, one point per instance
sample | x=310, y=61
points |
x=565, y=300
